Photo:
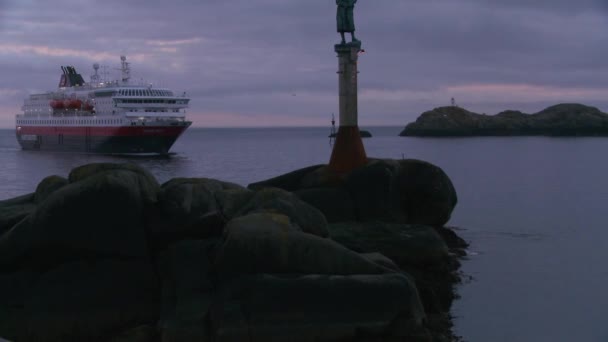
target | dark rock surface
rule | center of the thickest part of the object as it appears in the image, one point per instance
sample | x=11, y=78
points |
x=108, y=254
x=14, y=210
x=318, y=308
x=559, y=120
x=392, y=209
x=403, y=191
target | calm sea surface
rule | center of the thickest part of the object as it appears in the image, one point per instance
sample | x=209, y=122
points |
x=532, y=209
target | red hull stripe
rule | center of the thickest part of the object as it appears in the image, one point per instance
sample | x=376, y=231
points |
x=104, y=131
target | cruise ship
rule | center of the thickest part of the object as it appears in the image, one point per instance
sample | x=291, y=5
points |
x=101, y=116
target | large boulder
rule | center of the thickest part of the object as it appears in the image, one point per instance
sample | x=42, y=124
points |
x=47, y=186
x=14, y=210
x=417, y=249
x=187, y=274
x=373, y=190
x=335, y=203
x=187, y=208
x=277, y=247
x=426, y=194
x=290, y=181
x=87, y=301
x=413, y=245
x=142, y=333
x=100, y=216
x=402, y=191
x=186, y=199
x=145, y=182
x=231, y=201
x=307, y=217
x=14, y=289
x=268, y=307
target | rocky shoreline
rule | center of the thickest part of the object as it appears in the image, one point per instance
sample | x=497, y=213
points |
x=559, y=120
x=109, y=254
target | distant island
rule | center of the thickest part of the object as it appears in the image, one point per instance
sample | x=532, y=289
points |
x=567, y=119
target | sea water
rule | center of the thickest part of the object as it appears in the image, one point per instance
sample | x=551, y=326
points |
x=532, y=208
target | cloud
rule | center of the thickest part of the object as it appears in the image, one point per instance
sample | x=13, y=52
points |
x=241, y=61
x=22, y=50
x=174, y=42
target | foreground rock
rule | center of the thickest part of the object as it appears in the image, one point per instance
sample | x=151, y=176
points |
x=108, y=254
x=391, y=211
x=558, y=120
x=404, y=191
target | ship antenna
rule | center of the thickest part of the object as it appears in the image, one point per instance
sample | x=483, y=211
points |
x=95, y=77
x=126, y=70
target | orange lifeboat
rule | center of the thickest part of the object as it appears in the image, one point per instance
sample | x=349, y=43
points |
x=56, y=104
x=88, y=106
x=72, y=103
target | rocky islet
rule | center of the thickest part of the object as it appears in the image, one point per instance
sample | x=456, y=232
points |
x=109, y=254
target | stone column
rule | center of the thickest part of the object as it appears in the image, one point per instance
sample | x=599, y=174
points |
x=348, y=152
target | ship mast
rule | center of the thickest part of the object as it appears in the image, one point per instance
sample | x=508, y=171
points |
x=95, y=77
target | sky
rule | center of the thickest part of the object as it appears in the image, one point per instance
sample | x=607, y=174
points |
x=272, y=62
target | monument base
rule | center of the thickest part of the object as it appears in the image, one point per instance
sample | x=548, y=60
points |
x=348, y=152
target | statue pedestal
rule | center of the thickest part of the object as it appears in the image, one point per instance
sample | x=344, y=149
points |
x=348, y=152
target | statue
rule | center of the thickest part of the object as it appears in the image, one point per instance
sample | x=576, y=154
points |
x=345, y=19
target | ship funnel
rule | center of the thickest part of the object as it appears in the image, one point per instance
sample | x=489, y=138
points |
x=70, y=77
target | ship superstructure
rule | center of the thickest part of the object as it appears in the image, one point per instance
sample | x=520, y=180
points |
x=102, y=116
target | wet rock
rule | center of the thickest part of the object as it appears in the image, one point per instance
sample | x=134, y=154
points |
x=231, y=201
x=183, y=197
x=14, y=289
x=269, y=307
x=232, y=263
x=373, y=190
x=290, y=181
x=335, y=203
x=144, y=182
x=13, y=210
x=100, y=216
x=426, y=194
x=382, y=260
x=85, y=301
x=47, y=186
x=188, y=208
x=142, y=333
x=278, y=248
x=188, y=286
x=307, y=217
x=402, y=191
x=417, y=249
x=414, y=245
